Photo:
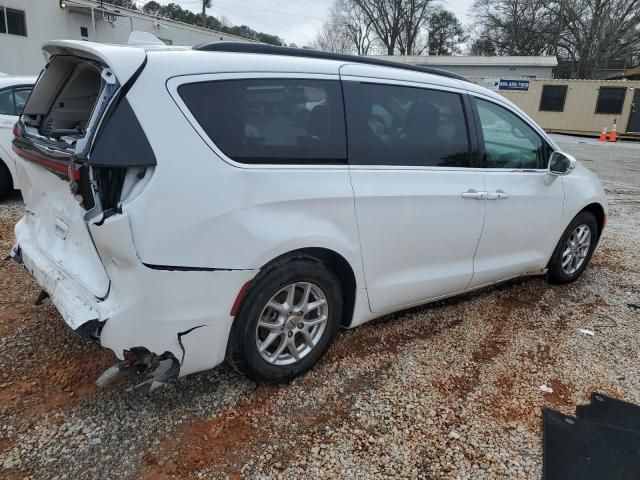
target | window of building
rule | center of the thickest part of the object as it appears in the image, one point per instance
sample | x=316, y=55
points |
x=611, y=100
x=15, y=21
x=397, y=125
x=508, y=141
x=84, y=32
x=553, y=97
x=3, y=22
x=271, y=120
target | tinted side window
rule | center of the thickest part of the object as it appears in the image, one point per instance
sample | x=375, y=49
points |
x=508, y=141
x=6, y=102
x=395, y=125
x=271, y=120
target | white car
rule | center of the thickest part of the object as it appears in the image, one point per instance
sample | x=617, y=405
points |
x=14, y=92
x=181, y=210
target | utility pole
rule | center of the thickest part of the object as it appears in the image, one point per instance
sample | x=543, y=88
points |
x=205, y=4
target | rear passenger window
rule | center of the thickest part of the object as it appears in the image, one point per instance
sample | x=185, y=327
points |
x=271, y=120
x=396, y=125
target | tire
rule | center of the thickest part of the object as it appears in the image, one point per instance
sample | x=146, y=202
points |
x=296, y=328
x=557, y=273
x=6, y=186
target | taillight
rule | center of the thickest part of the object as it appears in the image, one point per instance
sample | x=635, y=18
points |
x=73, y=172
x=16, y=130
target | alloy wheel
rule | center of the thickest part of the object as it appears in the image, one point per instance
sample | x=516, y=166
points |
x=576, y=249
x=292, y=323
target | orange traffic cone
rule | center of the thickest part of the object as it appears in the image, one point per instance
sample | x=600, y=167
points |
x=612, y=137
x=603, y=135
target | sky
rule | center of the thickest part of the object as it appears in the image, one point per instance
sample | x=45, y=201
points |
x=294, y=20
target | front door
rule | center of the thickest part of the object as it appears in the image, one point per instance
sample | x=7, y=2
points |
x=409, y=156
x=524, y=203
x=634, y=116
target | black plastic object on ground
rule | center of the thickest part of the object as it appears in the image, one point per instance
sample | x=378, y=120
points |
x=601, y=442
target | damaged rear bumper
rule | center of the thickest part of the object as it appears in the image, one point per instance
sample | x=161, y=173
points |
x=175, y=313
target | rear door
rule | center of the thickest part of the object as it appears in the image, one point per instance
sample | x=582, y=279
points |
x=55, y=133
x=418, y=197
x=524, y=203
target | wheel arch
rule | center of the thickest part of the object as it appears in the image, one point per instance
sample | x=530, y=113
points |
x=601, y=216
x=4, y=168
x=339, y=266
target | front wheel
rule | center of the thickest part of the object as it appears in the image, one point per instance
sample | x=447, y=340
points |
x=288, y=319
x=574, y=250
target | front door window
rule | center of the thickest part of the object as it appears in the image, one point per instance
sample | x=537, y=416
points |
x=509, y=142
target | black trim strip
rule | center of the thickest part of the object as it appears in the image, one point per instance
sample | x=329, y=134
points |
x=178, y=268
x=262, y=48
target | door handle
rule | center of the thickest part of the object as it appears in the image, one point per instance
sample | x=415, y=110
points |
x=475, y=195
x=497, y=195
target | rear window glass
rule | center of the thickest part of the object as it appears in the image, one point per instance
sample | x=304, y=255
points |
x=406, y=126
x=271, y=120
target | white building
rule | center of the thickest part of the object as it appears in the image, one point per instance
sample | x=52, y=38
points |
x=26, y=24
x=485, y=67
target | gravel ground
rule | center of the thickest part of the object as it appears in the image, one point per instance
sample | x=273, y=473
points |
x=450, y=390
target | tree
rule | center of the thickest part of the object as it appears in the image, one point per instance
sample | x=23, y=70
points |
x=130, y=4
x=483, y=47
x=446, y=33
x=352, y=22
x=591, y=32
x=413, y=35
x=175, y=12
x=586, y=33
x=515, y=27
x=345, y=31
x=397, y=24
x=152, y=8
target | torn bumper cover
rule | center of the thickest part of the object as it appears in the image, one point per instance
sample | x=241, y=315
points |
x=184, y=315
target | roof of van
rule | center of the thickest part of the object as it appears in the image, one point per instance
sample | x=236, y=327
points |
x=126, y=60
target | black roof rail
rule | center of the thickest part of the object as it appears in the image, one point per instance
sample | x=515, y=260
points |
x=264, y=48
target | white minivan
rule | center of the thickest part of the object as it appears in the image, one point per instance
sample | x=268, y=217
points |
x=244, y=201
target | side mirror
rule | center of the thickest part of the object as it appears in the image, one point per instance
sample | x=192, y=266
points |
x=561, y=163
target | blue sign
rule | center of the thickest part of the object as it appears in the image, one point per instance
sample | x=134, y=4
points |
x=513, y=85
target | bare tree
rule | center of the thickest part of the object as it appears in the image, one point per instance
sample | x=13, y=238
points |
x=386, y=20
x=514, y=27
x=354, y=23
x=346, y=30
x=332, y=38
x=413, y=35
x=587, y=33
x=594, y=31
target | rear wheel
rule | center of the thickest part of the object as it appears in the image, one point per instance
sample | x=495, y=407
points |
x=574, y=250
x=6, y=186
x=288, y=319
